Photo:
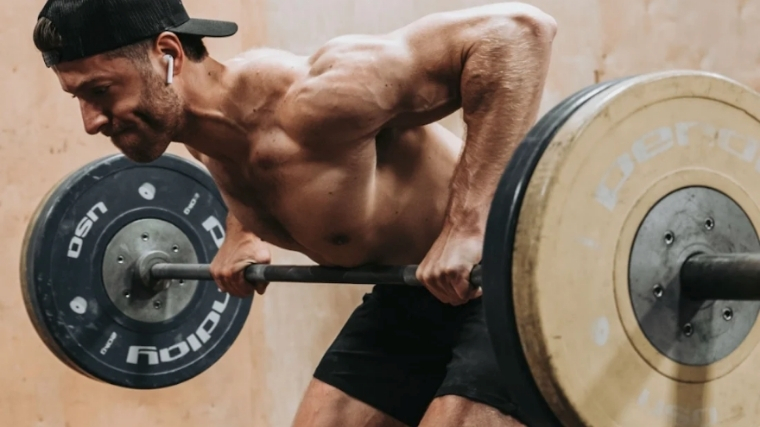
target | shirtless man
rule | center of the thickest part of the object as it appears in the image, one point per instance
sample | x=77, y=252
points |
x=338, y=156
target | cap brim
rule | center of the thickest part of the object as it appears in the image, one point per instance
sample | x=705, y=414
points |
x=206, y=28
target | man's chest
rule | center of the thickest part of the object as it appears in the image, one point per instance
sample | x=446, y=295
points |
x=295, y=197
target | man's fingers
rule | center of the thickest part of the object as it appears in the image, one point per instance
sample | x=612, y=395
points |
x=457, y=283
x=437, y=283
x=454, y=284
x=243, y=288
x=467, y=292
x=228, y=285
x=428, y=280
x=230, y=277
x=443, y=293
x=232, y=282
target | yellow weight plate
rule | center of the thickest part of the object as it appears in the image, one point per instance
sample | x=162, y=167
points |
x=605, y=170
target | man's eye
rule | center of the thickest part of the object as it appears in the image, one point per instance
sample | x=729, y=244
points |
x=100, y=90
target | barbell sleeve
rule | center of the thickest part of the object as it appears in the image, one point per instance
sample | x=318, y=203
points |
x=390, y=275
x=733, y=276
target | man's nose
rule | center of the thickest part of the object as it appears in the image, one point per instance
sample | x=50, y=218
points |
x=93, y=117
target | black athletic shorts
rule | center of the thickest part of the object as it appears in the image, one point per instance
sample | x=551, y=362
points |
x=401, y=348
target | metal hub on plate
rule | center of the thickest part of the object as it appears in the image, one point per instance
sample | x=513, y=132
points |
x=685, y=222
x=127, y=291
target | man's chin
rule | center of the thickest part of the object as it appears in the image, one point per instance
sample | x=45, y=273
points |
x=143, y=159
x=140, y=156
x=143, y=156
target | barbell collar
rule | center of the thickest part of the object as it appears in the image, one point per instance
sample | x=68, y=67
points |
x=389, y=275
x=734, y=276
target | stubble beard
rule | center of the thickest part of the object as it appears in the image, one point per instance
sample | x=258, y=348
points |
x=160, y=112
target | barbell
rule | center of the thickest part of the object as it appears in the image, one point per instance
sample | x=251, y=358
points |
x=620, y=263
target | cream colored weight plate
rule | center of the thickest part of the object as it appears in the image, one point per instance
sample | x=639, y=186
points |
x=607, y=167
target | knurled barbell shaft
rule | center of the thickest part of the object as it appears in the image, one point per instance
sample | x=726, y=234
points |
x=722, y=277
x=703, y=277
x=390, y=275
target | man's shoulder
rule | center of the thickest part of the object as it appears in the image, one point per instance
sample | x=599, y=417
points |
x=321, y=96
x=266, y=56
x=264, y=73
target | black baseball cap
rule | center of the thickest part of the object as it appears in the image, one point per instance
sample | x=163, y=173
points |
x=91, y=27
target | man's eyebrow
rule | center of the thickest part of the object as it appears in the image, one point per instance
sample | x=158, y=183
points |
x=84, y=84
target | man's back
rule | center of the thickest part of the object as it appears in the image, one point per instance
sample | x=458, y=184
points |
x=377, y=197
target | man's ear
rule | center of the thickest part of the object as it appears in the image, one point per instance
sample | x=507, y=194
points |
x=167, y=46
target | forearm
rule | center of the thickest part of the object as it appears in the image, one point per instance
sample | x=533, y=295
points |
x=501, y=84
x=236, y=231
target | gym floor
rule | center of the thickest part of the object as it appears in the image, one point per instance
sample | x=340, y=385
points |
x=261, y=378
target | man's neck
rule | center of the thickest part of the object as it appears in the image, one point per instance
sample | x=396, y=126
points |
x=212, y=124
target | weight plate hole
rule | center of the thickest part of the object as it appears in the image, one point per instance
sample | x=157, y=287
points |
x=127, y=294
x=157, y=304
x=658, y=290
x=669, y=238
x=175, y=248
x=688, y=329
x=181, y=282
x=145, y=236
x=120, y=260
x=728, y=313
x=709, y=223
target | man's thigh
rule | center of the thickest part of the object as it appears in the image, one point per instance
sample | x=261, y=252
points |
x=391, y=355
x=456, y=411
x=474, y=387
x=325, y=406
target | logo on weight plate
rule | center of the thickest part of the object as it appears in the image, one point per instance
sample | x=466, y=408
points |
x=84, y=227
x=664, y=139
x=214, y=227
x=109, y=343
x=195, y=341
x=192, y=203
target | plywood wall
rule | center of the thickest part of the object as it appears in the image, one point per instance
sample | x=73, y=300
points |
x=260, y=380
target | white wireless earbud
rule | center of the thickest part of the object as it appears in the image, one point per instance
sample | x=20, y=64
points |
x=169, y=68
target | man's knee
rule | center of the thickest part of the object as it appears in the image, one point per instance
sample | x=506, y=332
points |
x=450, y=411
